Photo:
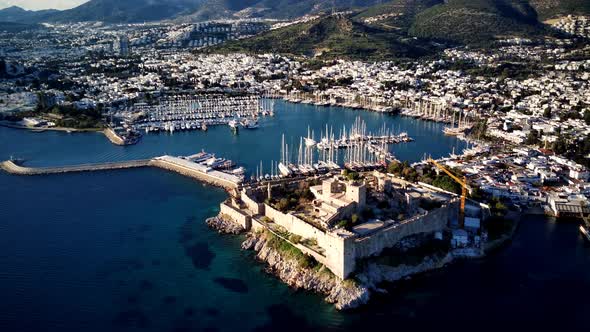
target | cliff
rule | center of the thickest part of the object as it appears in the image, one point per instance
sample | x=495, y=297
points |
x=345, y=294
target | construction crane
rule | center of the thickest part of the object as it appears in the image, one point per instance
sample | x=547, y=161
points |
x=464, y=188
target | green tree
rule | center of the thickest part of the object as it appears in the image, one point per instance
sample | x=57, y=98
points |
x=283, y=205
x=560, y=145
x=532, y=138
x=410, y=174
x=547, y=113
x=395, y=167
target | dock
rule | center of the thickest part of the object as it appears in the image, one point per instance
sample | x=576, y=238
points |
x=12, y=167
x=179, y=165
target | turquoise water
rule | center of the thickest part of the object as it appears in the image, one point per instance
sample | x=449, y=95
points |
x=128, y=250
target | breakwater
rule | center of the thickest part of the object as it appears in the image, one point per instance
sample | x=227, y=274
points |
x=174, y=164
x=16, y=169
x=113, y=137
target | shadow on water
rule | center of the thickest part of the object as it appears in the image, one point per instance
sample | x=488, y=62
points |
x=131, y=318
x=146, y=285
x=189, y=312
x=186, y=233
x=212, y=312
x=232, y=284
x=117, y=266
x=282, y=319
x=169, y=299
x=132, y=299
x=200, y=255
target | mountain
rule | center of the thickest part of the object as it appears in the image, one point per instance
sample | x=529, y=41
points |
x=18, y=27
x=18, y=14
x=331, y=36
x=517, y=14
x=407, y=28
x=120, y=11
x=294, y=8
x=547, y=9
x=123, y=11
x=371, y=29
x=472, y=21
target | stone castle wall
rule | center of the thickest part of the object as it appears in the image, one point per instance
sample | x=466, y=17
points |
x=237, y=216
x=255, y=207
x=436, y=220
x=341, y=248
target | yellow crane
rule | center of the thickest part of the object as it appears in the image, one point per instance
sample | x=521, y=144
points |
x=464, y=188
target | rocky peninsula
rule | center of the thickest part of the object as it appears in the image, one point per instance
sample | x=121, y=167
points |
x=284, y=262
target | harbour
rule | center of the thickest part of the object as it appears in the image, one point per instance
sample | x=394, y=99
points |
x=131, y=259
x=186, y=112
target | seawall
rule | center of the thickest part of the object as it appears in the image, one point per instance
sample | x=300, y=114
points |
x=174, y=164
x=12, y=168
x=113, y=137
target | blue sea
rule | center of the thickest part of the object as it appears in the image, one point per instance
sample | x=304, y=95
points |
x=128, y=250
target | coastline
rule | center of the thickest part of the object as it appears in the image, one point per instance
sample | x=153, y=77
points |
x=498, y=243
x=107, y=132
x=345, y=294
x=40, y=130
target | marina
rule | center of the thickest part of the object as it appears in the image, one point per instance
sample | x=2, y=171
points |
x=185, y=113
x=134, y=238
x=354, y=149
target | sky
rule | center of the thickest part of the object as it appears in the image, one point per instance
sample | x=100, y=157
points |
x=41, y=4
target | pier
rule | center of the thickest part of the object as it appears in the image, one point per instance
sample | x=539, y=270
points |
x=181, y=165
x=13, y=168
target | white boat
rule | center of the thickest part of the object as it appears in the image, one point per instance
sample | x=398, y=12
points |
x=585, y=231
x=238, y=171
x=233, y=124
x=250, y=124
x=284, y=170
x=215, y=162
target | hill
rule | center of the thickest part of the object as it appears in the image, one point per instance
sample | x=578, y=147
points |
x=475, y=21
x=407, y=28
x=424, y=16
x=126, y=11
x=547, y=9
x=332, y=36
x=17, y=14
x=18, y=27
x=122, y=11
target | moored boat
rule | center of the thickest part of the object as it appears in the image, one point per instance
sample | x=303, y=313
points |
x=585, y=230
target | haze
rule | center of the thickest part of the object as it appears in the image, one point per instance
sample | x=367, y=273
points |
x=41, y=4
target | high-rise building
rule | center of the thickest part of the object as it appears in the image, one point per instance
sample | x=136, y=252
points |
x=124, y=48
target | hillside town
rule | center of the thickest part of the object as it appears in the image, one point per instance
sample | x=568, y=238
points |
x=204, y=165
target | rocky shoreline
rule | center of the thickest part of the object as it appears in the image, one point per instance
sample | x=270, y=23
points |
x=344, y=294
x=224, y=225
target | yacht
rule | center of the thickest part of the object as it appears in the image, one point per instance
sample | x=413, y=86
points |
x=250, y=124
x=284, y=170
x=233, y=124
x=585, y=229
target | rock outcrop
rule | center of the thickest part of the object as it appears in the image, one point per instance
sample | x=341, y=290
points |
x=345, y=294
x=224, y=225
x=374, y=274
